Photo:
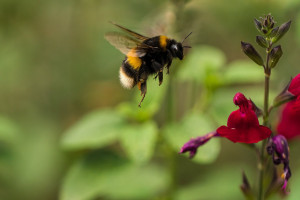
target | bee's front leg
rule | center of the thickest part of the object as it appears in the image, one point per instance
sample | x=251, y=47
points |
x=169, y=61
x=158, y=67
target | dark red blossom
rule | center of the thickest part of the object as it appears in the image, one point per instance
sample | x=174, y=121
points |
x=243, y=125
x=289, y=125
x=194, y=143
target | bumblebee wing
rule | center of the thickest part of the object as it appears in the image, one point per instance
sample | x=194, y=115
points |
x=132, y=33
x=126, y=43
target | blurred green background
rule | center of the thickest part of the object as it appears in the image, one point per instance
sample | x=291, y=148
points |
x=69, y=131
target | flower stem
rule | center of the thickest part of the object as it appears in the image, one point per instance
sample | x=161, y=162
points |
x=261, y=165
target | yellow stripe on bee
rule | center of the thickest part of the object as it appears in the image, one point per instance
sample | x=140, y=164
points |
x=133, y=59
x=163, y=41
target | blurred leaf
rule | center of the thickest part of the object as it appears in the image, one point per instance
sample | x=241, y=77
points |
x=103, y=174
x=201, y=62
x=212, y=182
x=151, y=103
x=243, y=72
x=94, y=130
x=193, y=125
x=139, y=140
x=293, y=185
x=8, y=130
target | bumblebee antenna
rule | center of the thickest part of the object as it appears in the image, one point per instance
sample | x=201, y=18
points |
x=186, y=37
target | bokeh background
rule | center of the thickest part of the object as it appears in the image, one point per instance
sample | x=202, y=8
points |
x=69, y=131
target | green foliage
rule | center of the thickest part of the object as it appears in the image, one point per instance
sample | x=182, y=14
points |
x=214, y=182
x=191, y=126
x=201, y=63
x=8, y=131
x=149, y=106
x=138, y=141
x=242, y=71
x=103, y=174
x=97, y=129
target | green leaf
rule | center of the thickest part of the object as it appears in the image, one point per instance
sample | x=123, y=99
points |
x=103, y=174
x=8, y=130
x=151, y=103
x=138, y=141
x=212, y=182
x=294, y=182
x=201, y=62
x=193, y=125
x=243, y=72
x=95, y=130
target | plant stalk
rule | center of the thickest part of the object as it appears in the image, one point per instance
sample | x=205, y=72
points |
x=261, y=165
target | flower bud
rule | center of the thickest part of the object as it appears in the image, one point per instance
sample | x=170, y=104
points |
x=246, y=188
x=261, y=41
x=284, y=96
x=268, y=21
x=281, y=31
x=250, y=51
x=274, y=32
x=275, y=55
x=258, y=24
x=256, y=109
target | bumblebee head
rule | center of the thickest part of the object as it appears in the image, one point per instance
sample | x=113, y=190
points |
x=177, y=50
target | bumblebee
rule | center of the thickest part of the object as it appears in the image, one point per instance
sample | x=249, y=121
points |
x=144, y=56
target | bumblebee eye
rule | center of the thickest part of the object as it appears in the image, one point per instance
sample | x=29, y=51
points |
x=174, y=47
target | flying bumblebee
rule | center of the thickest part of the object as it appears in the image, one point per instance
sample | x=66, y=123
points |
x=144, y=56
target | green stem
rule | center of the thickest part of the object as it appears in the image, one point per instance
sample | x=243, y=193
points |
x=261, y=165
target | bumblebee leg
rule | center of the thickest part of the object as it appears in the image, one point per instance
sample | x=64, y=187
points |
x=160, y=77
x=157, y=66
x=169, y=58
x=168, y=66
x=143, y=89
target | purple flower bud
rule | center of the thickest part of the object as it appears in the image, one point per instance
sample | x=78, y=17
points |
x=194, y=143
x=246, y=188
x=284, y=96
x=275, y=55
x=258, y=24
x=281, y=31
x=262, y=41
x=250, y=51
x=279, y=149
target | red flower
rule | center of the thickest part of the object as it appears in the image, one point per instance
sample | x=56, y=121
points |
x=242, y=125
x=289, y=125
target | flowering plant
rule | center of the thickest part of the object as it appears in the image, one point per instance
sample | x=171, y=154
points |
x=243, y=124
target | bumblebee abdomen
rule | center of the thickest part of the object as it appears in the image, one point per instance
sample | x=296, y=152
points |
x=127, y=77
x=133, y=60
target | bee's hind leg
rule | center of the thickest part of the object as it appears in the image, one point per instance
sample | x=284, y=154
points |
x=143, y=88
x=142, y=84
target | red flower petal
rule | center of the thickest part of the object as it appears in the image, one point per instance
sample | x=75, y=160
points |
x=251, y=135
x=295, y=86
x=243, y=125
x=289, y=125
